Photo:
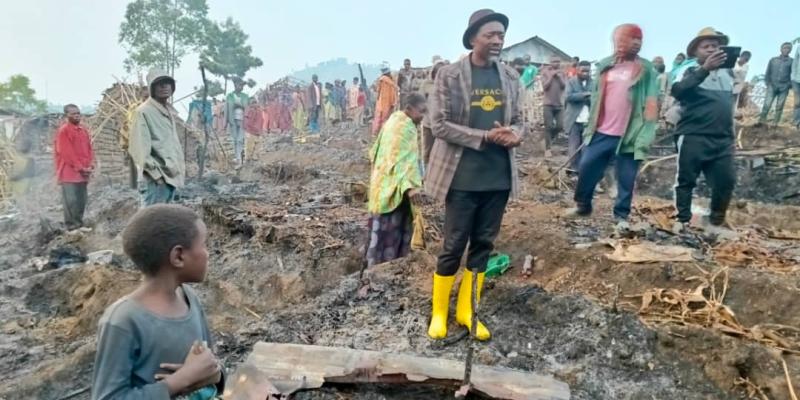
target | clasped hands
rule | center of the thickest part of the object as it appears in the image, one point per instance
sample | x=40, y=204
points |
x=503, y=136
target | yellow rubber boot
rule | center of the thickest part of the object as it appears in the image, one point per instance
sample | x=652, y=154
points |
x=442, y=285
x=464, y=305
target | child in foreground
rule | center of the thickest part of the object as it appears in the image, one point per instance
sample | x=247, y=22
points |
x=153, y=343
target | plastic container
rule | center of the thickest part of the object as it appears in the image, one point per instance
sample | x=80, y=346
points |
x=498, y=265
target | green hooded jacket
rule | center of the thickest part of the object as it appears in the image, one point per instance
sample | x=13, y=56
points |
x=644, y=115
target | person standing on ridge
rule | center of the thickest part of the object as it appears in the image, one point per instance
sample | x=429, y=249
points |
x=74, y=158
x=155, y=145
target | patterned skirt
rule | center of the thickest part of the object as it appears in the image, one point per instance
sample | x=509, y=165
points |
x=390, y=235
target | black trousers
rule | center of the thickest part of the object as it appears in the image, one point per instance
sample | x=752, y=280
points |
x=553, y=123
x=474, y=218
x=713, y=156
x=75, y=198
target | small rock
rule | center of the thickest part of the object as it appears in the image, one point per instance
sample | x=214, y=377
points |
x=72, y=347
x=102, y=257
x=583, y=232
x=9, y=216
x=513, y=354
x=641, y=228
x=668, y=272
x=39, y=263
x=677, y=228
x=11, y=328
x=583, y=246
x=528, y=265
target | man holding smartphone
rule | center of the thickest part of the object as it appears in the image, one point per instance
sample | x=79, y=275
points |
x=704, y=131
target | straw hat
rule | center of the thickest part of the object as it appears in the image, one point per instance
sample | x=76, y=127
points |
x=706, y=33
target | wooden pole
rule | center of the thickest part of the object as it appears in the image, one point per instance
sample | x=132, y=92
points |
x=204, y=150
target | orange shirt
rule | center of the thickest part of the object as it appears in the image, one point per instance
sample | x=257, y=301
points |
x=387, y=93
x=572, y=72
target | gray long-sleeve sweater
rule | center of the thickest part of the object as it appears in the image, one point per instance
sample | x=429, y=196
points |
x=132, y=342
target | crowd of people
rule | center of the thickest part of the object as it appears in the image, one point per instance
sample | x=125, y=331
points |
x=433, y=141
x=281, y=107
x=610, y=117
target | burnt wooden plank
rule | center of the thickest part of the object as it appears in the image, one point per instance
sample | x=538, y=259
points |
x=292, y=367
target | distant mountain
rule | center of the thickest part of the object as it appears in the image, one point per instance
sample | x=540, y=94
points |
x=338, y=68
x=59, y=108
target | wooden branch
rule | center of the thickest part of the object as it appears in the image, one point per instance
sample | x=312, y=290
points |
x=293, y=367
x=657, y=160
x=746, y=153
x=788, y=380
x=564, y=164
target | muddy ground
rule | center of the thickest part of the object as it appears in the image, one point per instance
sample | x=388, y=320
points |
x=286, y=238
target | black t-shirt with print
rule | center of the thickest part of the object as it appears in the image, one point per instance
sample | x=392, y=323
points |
x=488, y=169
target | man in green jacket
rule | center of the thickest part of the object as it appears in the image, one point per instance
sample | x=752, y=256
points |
x=622, y=123
x=155, y=145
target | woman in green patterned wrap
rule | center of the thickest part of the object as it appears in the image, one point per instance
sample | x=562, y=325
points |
x=395, y=183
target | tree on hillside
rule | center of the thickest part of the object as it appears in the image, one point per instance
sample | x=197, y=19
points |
x=16, y=94
x=159, y=33
x=226, y=53
x=214, y=89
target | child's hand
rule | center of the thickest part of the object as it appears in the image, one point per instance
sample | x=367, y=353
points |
x=199, y=369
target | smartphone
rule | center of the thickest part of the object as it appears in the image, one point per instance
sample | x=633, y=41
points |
x=733, y=54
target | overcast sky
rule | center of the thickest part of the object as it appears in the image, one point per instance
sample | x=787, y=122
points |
x=69, y=49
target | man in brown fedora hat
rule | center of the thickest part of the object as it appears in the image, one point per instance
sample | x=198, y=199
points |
x=705, y=129
x=472, y=168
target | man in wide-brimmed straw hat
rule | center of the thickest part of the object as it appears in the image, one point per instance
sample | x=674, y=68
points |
x=704, y=131
x=472, y=168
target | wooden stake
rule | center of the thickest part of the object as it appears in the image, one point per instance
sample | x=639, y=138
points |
x=466, y=385
x=253, y=313
x=788, y=380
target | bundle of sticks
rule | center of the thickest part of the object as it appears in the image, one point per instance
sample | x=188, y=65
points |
x=116, y=109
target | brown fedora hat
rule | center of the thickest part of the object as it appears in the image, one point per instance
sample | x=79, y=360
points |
x=477, y=20
x=706, y=33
